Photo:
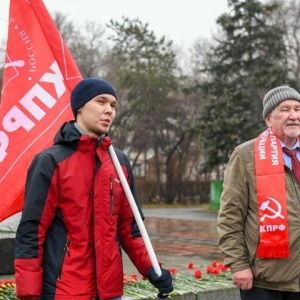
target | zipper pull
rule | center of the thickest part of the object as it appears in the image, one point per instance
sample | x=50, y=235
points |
x=111, y=196
x=67, y=247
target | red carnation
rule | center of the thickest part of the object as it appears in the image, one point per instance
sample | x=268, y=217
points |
x=198, y=274
x=191, y=265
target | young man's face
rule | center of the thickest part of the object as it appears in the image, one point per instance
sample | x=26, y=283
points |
x=285, y=121
x=97, y=115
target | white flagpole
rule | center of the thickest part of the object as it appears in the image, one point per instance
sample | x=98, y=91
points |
x=135, y=211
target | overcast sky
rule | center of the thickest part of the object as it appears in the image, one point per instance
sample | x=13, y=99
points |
x=181, y=21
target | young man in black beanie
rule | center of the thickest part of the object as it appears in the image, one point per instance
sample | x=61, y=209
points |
x=76, y=216
x=259, y=216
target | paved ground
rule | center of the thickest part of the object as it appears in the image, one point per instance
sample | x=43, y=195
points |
x=178, y=236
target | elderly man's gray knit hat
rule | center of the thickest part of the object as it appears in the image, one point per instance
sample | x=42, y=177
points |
x=87, y=89
x=276, y=96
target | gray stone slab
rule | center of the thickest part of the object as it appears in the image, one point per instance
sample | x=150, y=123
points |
x=7, y=252
x=231, y=293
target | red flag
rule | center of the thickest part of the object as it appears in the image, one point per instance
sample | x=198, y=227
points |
x=39, y=73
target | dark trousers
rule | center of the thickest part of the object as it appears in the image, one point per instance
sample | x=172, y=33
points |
x=263, y=294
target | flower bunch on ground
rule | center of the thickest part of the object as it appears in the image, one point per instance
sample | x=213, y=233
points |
x=8, y=290
x=193, y=280
x=216, y=268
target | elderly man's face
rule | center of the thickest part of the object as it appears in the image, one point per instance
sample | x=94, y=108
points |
x=284, y=121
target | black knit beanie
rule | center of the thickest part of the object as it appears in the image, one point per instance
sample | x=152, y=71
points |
x=87, y=89
x=276, y=96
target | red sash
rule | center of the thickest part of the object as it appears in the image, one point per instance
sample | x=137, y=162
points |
x=271, y=195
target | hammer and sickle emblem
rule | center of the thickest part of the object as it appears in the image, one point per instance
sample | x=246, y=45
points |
x=265, y=206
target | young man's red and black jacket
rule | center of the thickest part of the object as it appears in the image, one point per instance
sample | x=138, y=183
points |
x=75, y=218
